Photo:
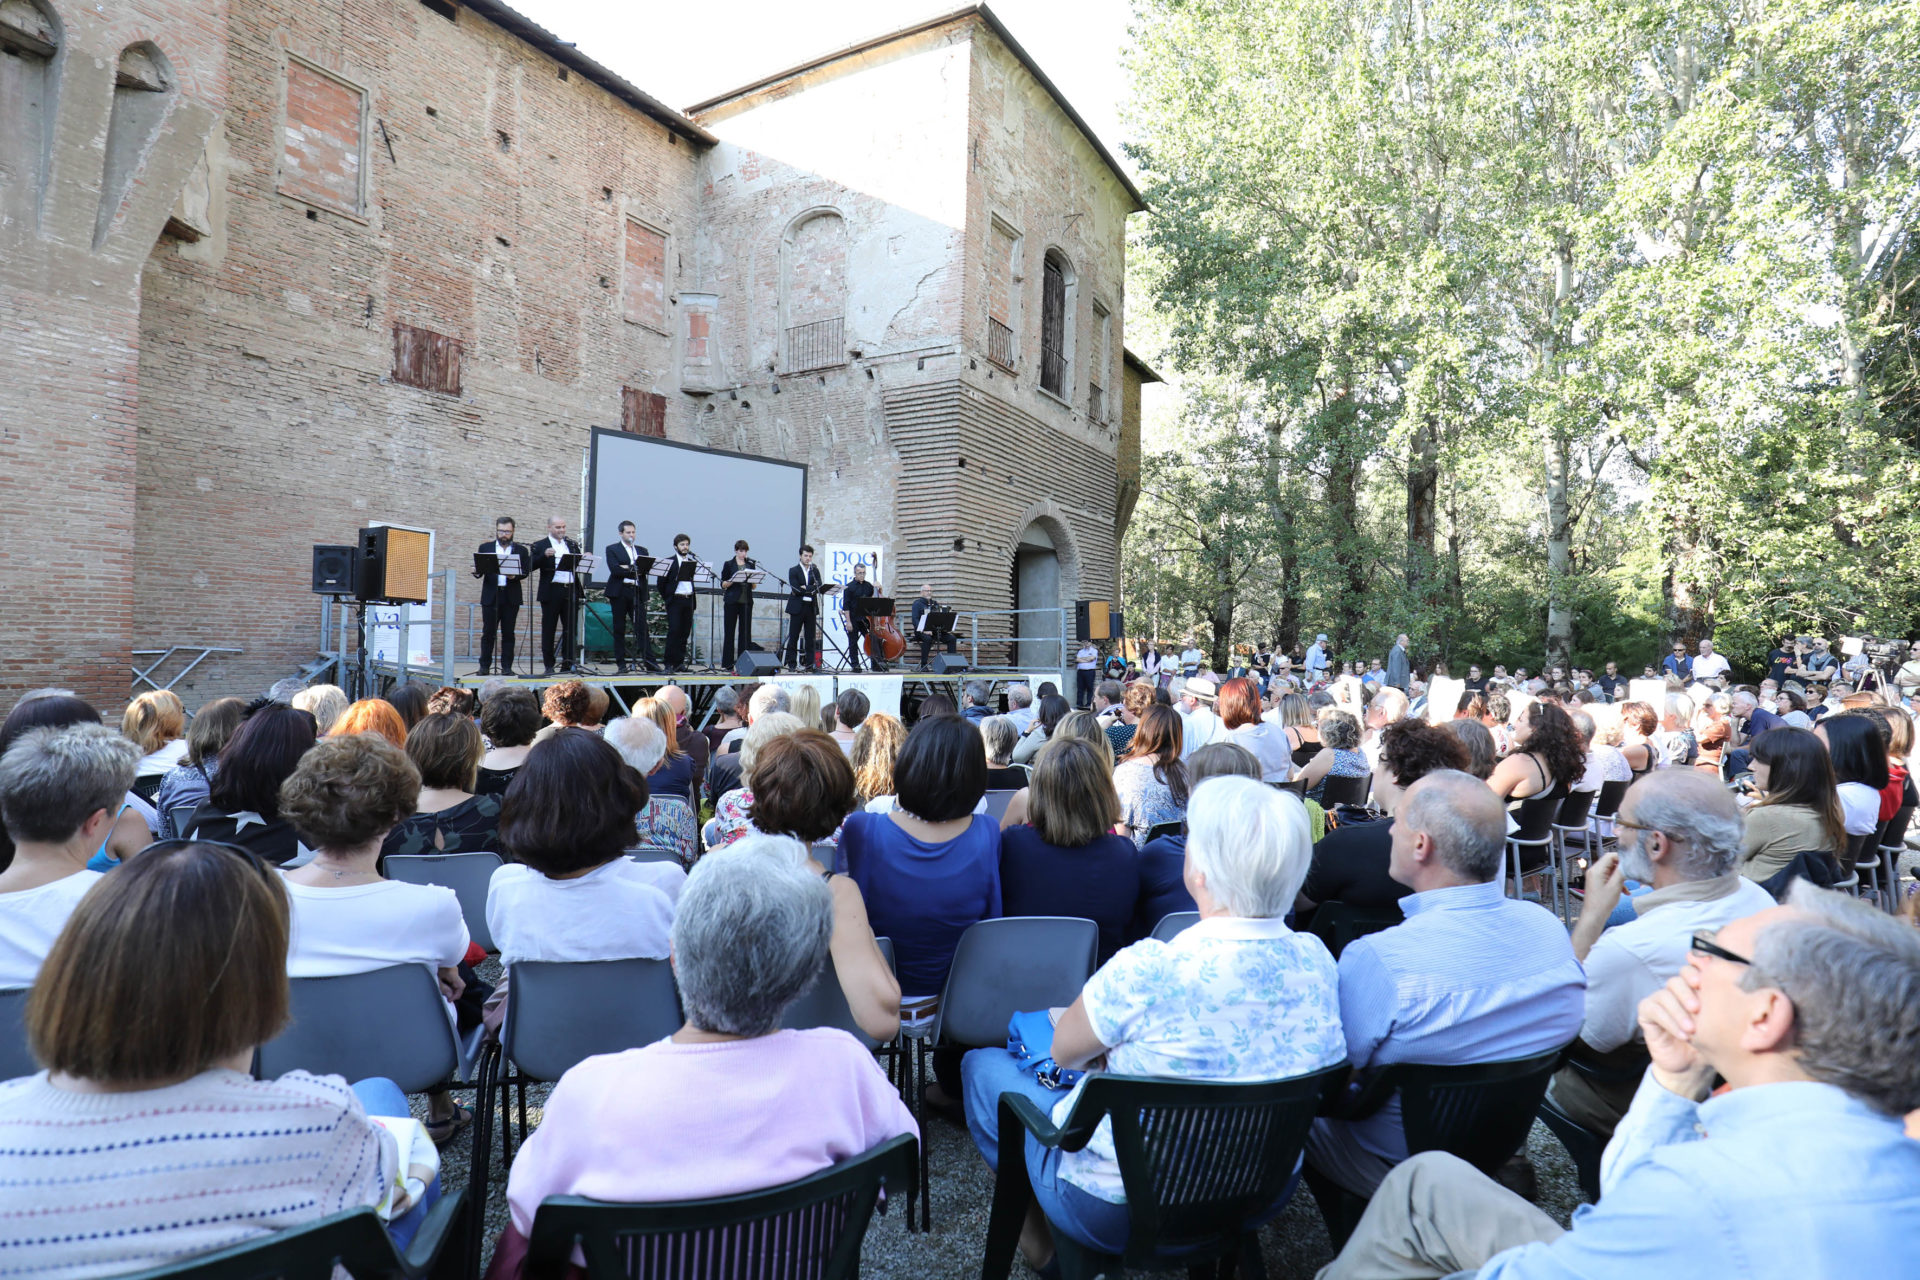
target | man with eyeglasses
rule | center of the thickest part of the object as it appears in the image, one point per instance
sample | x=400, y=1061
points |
x=1680, y=834
x=1799, y=1167
x=1907, y=678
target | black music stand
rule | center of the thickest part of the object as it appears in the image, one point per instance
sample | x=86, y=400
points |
x=936, y=625
x=873, y=607
x=581, y=565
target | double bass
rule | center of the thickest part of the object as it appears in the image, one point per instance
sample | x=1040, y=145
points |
x=885, y=644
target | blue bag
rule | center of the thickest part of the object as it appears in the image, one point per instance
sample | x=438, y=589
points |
x=1030, y=1041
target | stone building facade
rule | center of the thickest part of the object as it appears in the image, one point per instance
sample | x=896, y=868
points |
x=413, y=250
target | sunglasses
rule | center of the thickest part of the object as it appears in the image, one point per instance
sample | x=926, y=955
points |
x=1703, y=943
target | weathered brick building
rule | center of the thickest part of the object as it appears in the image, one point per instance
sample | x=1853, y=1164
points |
x=273, y=269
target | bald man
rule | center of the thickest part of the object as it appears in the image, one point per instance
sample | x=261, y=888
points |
x=556, y=592
x=1471, y=976
x=923, y=604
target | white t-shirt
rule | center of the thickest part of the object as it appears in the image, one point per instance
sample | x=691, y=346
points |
x=30, y=919
x=364, y=927
x=1710, y=666
x=166, y=757
x=1086, y=658
x=615, y=912
x=1862, y=806
x=1203, y=728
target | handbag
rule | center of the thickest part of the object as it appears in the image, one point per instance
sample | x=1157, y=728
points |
x=1030, y=1041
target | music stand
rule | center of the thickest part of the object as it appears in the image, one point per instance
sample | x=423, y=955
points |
x=488, y=564
x=581, y=565
x=872, y=607
x=752, y=576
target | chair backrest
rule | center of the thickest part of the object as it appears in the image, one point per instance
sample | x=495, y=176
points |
x=1339, y=923
x=1175, y=923
x=811, y=1229
x=1857, y=847
x=1002, y=967
x=558, y=1014
x=177, y=818
x=1535, y=816
x=16, y=1059
x=390, y=1022
x=355, y=1239
x=1159, y=829
x=1479, y=1111
x=997, y=802
x=1894, y=835
x=1611, y=793
x=825, y=1003
x=1345, y=791
x=654, y=853
x=1202, y=1161
x=1574, y=809
x=467, y=874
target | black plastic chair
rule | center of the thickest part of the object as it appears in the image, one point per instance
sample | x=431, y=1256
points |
x=1478, y=1111
x=1582, y=1144
x=825, y=1003
x=1534, y=819
x=1335, y=791
x=1893, y=843
x=1175, y=923
x=390, y=1022
x=1339, y=923
x=1570, y=820
x=355, y=1240
x=16, y=1059
x=811, y=1229
x=467, y=874
x=1202, y=1165
x=177, y=819
x=1159, y=829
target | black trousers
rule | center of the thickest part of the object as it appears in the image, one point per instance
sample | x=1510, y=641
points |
x=855, y=634
x=554, y=615
x=736, y=621
x=1083, y=687
x=926, y=643
x=679, y=628
x=800, y=650
x=500, y=615
x=636, y=610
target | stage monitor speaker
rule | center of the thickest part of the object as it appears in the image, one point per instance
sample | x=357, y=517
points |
x=334, y=569
x=394, y=565
x=949, y=664
x=756, y=665
x=1117, y=624
x=1093, y=620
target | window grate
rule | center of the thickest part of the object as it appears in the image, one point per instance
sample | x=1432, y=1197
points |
x=425, y=359
x=820, y=344
x=1000, y=347
x=1096, y=403
x=1053, y=329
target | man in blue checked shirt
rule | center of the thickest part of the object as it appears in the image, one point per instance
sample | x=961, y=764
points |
x=1800, y=1168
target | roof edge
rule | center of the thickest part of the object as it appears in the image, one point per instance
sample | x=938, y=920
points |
x=1139, y=366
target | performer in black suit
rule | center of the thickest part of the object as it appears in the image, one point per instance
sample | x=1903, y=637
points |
x=557, y=590
x=857, y=626
x=803, y=603
x=923, y=604
x=737, y=614
x=676, y=588
x=627, y=567
x=500, y=597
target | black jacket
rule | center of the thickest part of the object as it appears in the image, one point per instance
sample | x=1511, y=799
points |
x=671, y=578
x=739, y=592
x=491, y=592
x=854, y=591
x=550, y=591
x=625, y=587
x=805, y=596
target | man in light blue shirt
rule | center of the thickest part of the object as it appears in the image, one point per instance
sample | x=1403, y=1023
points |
x=1316, y=661
x=1799, y=1169
x=1472, y=976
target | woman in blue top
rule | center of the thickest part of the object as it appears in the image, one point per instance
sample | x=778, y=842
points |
x=1340, y=755
x=1065, y=860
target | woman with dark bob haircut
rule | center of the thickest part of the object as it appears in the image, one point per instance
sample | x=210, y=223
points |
x=1858, y=745
x=410, y=700
x=509, y=719
x=146, y=1102
x=243, y=801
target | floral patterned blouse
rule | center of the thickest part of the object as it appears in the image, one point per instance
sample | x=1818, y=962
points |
x=732, y=817
x=668, y=823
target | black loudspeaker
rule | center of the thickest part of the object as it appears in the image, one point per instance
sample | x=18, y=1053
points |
x=756, y=665
x=1094, y=620
x=334, y=569
x=1117, y=624
x=949, y=664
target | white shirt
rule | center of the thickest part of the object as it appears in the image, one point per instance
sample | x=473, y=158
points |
x=1861, y=804
x=1086, y=659
x=1190, y=660
x=1710, y=666
x=502, y=550
x=1316, y=658
x=364, y=927
x=167, y=757
x=30, y=919
x=615, y=912
x=682, y=587
x=560, y=548
x=1631, y=961
x=1268, y=742
x=888, y=803
x=1202, y=728
x=1022, y=717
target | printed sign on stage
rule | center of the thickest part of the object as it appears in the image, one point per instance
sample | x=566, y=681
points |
x=883, y=692
x=836, y=563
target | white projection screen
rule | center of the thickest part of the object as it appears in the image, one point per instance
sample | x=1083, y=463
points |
x=711, y=496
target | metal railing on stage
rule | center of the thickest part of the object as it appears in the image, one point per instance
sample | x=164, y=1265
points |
x=351, y=659
x=1022, y=652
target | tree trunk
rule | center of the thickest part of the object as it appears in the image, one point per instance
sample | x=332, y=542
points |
x=1343, y=511
x=1423, y=481
x=1453, y=571
x=1558, y=459
x=1288, y=635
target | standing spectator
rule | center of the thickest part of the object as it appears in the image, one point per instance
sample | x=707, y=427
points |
x=1065, y=860
x=1191, y=659
x=1086, y=668
x=1151, y=778
x=1399, y=665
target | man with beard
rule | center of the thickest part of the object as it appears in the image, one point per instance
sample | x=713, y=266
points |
x=1680, y=835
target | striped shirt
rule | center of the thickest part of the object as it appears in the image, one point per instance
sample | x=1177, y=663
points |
x=96, y=1184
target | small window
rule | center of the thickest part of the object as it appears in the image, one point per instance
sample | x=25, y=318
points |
x=322, y=158
x=643, y=289
x=425, y=359
x=1003, y=266
x=1097, y=364
x=644, y=413
x=1053, y=326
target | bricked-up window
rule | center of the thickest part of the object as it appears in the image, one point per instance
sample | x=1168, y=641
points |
x=425, y=359
x=1097, y=363
x=1053, y=325
x=323, y=153
x=643, y=289
x=1003, y=264
x=644, y=413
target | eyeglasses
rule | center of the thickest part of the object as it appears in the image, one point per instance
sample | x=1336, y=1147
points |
x=1703, y=943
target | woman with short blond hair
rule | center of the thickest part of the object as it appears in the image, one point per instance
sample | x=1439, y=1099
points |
x=155, y=722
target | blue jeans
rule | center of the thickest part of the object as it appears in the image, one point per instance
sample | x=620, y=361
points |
x=382, y=1097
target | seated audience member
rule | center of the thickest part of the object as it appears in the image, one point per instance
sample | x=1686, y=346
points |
x=939, y=704
x=1163, y=859
x=733, y=813
x=1237, y=997
x=346, y=795
x=1546, y=756
x=450, y=817
x=803, y=703
x=1339, y=756
x=60, y=790
x=326, y=703
x=1638, y=724
x=1151, y=779
x=724, y=774
x=452, y=700
x=664, y=822
x=689, y=739
x=729, y=1103
x=876, y=745
x=1592, y=774
x=1053, y=709
x=1675, y=741
x=410, y=700
x=1472, y=976
x=509, y=719
x=1296, y=719
x=372, y=715
x=185, y=786
x=1712, y=740
x=1797, y=1167
x=156, y=1112
x=1679, y=833
x=803, y=790
x=1064, y=860
x=1351, y=863
x=571, y=893
x=1858, y=745
x=1084, y=725
x=998, y=737
x=1135, y=698
x=156, y=722
x=727, y=717
x=850, y=711
x=1240, y=714
x=1200, y=724
x=1020, y=708
x=1478, y=741
x=566, y=705
x=134, y=820
x=673, y=776
x=243, y=801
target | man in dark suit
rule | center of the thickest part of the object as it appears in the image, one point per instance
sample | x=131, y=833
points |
x=676, y=588
x=857, y=627
x=500, y=597
x=923, y=604
x=627, y=566
x=557, y=587
x=737, y=614
x=803, y=606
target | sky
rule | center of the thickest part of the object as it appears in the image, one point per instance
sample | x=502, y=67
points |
x=684, y=53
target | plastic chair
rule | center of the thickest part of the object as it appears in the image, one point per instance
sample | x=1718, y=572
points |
x=1175, y=923
x=177, y=819
x=16, y=1059
x=997, y=802
x=1339, y=923
x=1159, y=829
x=1202, y=1165
x=825, y=1003
x=1478, y=1111
x=1569, y=820
x=1582, y=1144
x=655, y=853
x=811, y=1229
x=1001, y=967
x=1336, y=791
x=1534, y=819
x=467, y=874
x=390, y=1022
x=1893, y=840
x=356, y=1240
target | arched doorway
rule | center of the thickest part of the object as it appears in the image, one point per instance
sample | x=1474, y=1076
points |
x=1046, y=576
